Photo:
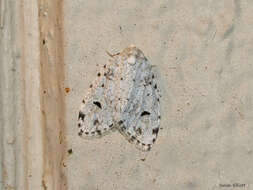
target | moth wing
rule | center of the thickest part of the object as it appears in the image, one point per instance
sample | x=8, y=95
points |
x=140, y=119
x=95, y=115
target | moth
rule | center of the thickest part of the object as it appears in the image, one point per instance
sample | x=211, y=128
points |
x=125, y=97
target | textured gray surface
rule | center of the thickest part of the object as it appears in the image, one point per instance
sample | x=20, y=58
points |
x=204, y=51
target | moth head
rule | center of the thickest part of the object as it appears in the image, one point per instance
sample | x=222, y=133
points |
x=133, y=55
x=131, y=60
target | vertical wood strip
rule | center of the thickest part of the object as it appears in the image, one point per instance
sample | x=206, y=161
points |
x=52, y=94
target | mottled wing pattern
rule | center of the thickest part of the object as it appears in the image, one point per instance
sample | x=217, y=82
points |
x=96, y=115
x=126, y=97
x=140, y=118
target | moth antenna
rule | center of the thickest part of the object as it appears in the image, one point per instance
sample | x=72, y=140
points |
x=112, y=55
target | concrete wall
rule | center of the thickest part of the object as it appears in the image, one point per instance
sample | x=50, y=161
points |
x=51, y=51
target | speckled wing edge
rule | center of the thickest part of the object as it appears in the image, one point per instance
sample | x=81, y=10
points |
x=141, y=126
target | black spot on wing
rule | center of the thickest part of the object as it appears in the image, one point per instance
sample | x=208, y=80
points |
x=138, y=131
x=155, y=131
x=123, y=128
x=145, y=113
x=120, y=122
x=132, y=139
x=98, y=104
x=80, y=133
x=95, y=122
x=81, y=115
x=98, y=132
